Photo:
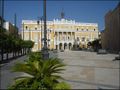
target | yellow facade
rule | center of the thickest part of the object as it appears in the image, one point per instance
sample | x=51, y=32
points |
x=61, y=34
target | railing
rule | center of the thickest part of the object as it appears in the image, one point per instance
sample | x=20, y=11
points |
x=10, y=56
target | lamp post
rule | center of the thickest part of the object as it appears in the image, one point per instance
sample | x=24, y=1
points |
x=41, y=31
x=38, y=23
x=48, y=38
x=45, y=53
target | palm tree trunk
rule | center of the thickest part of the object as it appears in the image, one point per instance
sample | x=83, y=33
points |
x=21, y=52
x=15, y=54
x=18, y=52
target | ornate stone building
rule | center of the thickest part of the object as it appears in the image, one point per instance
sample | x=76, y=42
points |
x=61, y=34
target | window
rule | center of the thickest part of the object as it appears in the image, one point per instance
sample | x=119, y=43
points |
x=88, y=40
x=77, y=38
x=26, y=27
x=36, y=38
x=26, y=36
x=83, y=39
x=68, y=38
x=77, y=29
x=35, y=28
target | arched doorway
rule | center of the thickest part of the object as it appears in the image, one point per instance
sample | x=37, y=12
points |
x=60, y=46
x=56, y=47
x=70, y=44
x=65, y=46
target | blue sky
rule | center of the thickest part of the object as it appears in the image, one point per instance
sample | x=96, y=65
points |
x=80, y=11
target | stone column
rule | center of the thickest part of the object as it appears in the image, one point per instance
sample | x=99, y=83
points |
x=62, y=39
x=71, y=36
x=62, y=36
x=67, y=40
x=67, y=36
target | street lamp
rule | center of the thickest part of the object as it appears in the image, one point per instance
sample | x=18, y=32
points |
x=38, y=23
x=45, y=53
x=41, y=31
x=49, y=31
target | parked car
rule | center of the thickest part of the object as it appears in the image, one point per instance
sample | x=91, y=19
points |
x=101, y=51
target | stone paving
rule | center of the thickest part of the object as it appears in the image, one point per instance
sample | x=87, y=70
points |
x=88, y=70
x=6, y=74
x=84, y=70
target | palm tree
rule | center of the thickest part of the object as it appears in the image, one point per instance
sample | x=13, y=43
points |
x=35, y=56
x=42, y=74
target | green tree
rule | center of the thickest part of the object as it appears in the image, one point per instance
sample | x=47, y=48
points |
x=27, y=45
x=95, y=44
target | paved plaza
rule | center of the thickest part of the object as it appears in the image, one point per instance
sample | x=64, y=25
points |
x=7, y=76
x=84, y=70
x=88, y=70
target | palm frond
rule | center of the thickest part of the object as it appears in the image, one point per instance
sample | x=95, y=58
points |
x=26, y=68
x=42, y=74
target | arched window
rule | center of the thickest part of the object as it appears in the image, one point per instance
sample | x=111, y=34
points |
x=68, y=38
x=26, y=27
x=78, y=39
x=77, y=29
x=35, y=28
x=83, y=39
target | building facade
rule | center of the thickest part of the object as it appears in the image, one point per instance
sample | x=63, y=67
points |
x=61, y=34
x=111, y=34
x=11, y=28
